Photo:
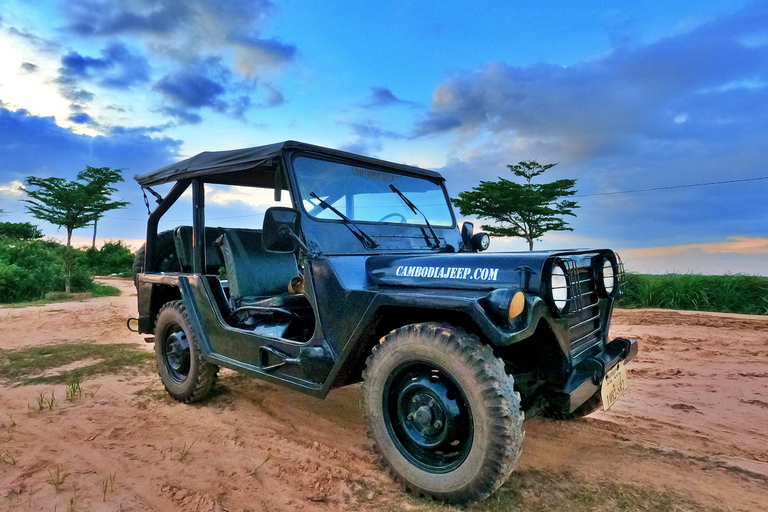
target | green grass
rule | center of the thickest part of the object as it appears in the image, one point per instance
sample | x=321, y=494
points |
x=104, y=290
x=735, y=293
x=98, y=290
x=25, y=366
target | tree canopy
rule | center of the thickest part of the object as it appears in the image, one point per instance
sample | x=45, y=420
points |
x=73, y=204
x=527, y=210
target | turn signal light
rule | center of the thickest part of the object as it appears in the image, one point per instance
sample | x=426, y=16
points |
x=517, y=305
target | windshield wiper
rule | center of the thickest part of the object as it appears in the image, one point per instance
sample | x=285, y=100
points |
x=415, y=209
x=367, y=241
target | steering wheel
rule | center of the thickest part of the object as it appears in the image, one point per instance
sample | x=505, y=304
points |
x=402, y=217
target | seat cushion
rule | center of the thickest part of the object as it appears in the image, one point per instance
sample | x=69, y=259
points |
x=254, y=273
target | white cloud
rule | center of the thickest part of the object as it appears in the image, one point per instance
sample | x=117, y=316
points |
x=11, y=189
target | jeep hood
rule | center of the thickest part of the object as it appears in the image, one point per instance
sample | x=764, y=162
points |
x=474, y=271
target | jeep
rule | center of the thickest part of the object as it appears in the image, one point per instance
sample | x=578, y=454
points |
x=366, y=276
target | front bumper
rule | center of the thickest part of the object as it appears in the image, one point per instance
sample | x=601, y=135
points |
x=587, y=377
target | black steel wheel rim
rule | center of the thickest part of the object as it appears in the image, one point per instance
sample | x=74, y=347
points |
x=428, y=416
x=176, y=353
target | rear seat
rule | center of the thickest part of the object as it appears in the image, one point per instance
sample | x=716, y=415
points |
x=257, y=277
x=182, y=238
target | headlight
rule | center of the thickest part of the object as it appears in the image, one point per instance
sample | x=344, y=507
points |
x=559, y=286
x=609, y=276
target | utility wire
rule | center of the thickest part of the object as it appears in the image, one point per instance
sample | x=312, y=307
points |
x=671, y=187
x=577, y=195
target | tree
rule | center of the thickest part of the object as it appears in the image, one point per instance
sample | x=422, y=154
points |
x=72, y=204
x=523, y=211
x=101, y=179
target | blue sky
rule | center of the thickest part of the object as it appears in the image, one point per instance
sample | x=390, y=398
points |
x=642, y=95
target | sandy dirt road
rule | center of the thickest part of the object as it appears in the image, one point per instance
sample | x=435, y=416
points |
x=693, y=426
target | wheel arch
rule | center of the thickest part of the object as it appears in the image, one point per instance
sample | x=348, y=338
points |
x=387, y=319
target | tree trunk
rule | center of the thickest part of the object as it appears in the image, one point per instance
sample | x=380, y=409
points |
x=68, y=261
x=93, y=244
x=530, y=244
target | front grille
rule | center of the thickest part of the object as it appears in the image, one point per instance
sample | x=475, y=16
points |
x=584, y=320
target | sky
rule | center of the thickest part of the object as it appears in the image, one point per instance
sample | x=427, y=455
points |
x=643, y=95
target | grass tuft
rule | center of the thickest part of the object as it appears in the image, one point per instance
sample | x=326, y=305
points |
x=734, y=293
x=57, y=478
x=74, y=391
x=184, y=452
x=25, y=366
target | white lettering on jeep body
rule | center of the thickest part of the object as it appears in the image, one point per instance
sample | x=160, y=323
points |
x=463, y=273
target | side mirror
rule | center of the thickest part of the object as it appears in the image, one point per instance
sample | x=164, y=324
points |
x=467, y=230
x=280, y=227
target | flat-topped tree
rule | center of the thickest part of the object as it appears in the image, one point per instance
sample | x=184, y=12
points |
x=72, y=204
x=521, y=210
x=100, y=181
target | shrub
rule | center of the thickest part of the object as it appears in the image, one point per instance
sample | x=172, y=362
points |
x=20, y=230
x=112, y=258
x=31, y=268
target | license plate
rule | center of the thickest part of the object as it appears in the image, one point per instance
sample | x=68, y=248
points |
x=614, y=384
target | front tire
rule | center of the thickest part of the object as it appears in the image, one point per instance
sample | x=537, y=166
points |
x=442, y=412
x=185, y=374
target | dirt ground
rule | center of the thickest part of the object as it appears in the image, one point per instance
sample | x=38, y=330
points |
x=691, y=433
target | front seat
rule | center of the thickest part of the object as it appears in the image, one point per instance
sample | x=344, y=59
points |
x=257, y=278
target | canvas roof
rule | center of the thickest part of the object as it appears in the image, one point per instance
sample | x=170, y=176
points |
x=257, y=164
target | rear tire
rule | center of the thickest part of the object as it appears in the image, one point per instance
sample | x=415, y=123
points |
x=165, y=255
x=185, y=374
x=442, y=412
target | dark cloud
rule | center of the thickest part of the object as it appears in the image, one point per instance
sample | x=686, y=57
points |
x=131, y=17
x=118, y=68
x=29, y=67
x=191, y=90
x=685, y=109
x=182, y=115
x=383, y=97
x=369, y=137
x=591, y=106
x=81, y=118
x=38, y=42
x=274, y=97
x=363, y=147
x=368, y=130
x=138, y=150
x=188, y=35
x=269, y=52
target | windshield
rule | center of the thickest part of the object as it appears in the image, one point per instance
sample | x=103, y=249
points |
x=364, y=194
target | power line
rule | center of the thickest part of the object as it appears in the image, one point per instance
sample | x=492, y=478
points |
x=672, y=187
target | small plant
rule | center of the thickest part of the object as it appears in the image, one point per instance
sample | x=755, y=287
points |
x=108, y=485
x=12, y=423
x=44, y=401
x=185, y=451
x=74, y=390
x=91, y=394
x=254, y=470
x=7, y=458
x=57, y=478
x=73, y=502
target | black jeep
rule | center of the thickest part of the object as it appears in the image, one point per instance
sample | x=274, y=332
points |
x=368, y=277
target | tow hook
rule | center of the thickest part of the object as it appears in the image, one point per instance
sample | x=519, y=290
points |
x=128, y=324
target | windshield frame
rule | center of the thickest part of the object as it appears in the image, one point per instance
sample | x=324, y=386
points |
x=299, y=202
